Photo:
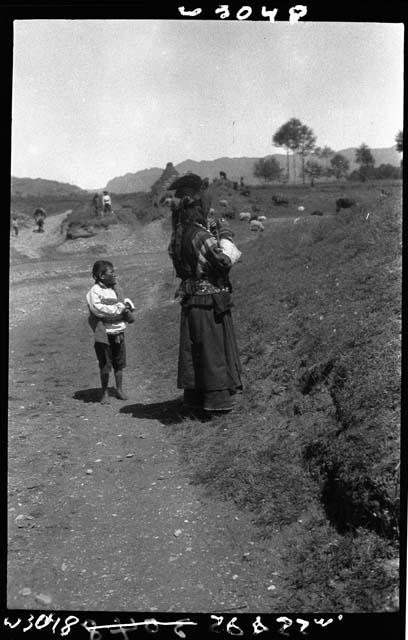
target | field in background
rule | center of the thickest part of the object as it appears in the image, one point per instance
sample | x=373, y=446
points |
x=135, y=208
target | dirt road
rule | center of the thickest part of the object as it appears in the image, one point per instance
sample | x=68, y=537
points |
x=31, y=244
x=102, y=515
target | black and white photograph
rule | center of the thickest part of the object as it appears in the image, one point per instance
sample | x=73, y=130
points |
x=205, y=241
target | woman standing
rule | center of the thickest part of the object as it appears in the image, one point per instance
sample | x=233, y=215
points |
x=209, y=370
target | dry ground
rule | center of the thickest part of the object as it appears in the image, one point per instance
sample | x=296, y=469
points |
x=101, y=513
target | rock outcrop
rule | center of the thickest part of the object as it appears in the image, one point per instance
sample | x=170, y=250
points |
x=161, y=185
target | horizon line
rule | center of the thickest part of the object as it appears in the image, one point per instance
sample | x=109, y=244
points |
x=162, y=168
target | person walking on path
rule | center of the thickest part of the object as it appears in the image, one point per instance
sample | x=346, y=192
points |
x=95, y=204
x=209, y=369
x=14, y=224
x=109, y=315
x=39, y=217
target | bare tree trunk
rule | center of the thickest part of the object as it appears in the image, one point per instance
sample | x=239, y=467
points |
x=294, y=167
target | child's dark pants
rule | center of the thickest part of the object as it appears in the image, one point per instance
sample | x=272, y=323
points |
x=112, y=354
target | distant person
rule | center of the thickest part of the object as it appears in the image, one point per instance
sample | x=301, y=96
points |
x=241, y=182
x=109, y=315
x=14, y=224
x=95, y=204
x=39, y=217
x=106, y=203
x=205, y=197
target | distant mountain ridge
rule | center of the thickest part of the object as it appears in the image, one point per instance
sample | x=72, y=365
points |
x=388, y=155
x=143, y=180
x=133, y=182
x=39, y=187
x=235, y=168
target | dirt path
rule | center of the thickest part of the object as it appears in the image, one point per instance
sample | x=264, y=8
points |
x=102, y=514
x=30, y=243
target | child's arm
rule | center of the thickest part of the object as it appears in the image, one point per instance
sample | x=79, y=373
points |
x=106, y=311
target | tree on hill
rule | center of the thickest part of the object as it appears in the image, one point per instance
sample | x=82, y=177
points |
x=306, y=142
x=383, y=172
x=314, y=170
x=339, y=165
x=297, y=137
x=387, y=171
x=268, y=169
x=326, y=153
x=285, y=137
x=399, y=139
x=365, y=159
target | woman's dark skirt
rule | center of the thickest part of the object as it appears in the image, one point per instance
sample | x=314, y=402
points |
x=209, y=369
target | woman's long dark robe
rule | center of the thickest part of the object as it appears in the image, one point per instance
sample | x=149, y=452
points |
x=208, y=353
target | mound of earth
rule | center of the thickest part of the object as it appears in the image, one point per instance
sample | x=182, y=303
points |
x=78, y=231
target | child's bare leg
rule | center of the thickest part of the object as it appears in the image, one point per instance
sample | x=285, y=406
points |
x=118, y=380
x=104, y=385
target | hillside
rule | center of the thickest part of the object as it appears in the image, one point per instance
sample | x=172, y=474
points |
x=38, y=188
x=133, y=182
x=312, y=449
x=142, y=181
x=235, y=168
x=381, y=156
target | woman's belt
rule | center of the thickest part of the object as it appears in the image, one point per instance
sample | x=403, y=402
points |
x=201, y=287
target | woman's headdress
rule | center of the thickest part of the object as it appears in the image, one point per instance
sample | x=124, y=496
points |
x=188, y=185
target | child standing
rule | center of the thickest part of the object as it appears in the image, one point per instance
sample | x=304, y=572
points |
x=109, y=315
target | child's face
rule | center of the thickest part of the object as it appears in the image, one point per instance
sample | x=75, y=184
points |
x=108, y=278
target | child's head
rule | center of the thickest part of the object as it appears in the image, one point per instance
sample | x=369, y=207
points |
x=103, y=272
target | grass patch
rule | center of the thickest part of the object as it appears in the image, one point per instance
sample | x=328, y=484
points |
x=331, y=572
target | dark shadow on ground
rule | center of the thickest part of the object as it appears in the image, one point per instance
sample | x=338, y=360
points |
x=167, y=412
x=92, y=395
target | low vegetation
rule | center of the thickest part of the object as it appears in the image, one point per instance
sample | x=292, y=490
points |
x=312, y=449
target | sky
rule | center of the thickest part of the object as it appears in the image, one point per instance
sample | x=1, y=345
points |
x=96, y=99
